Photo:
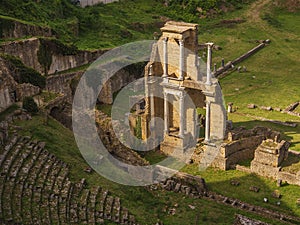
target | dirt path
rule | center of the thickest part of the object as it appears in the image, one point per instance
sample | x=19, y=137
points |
x=253, y=16
x=254, y=12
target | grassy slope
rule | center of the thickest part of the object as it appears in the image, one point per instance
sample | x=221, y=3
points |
x=272, y=78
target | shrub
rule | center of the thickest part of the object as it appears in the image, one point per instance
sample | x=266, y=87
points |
x=30, y=105
x=24, y=74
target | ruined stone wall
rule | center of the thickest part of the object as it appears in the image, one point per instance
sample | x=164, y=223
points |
x=289, y=177
x=26, y=90
x=15, y=29
x=27, y=51
x=115, y=83
x=65, y=62
x=10, y=90
x=7, y=86
x=60, y=83
x=241, y=145
x=241, y=132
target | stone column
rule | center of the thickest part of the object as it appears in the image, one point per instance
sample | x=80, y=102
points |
x=207, y=122
x=229, y=110
x=209, y=47
x=181, y=115
x=223, y=63
x=181, y=60
x=166, y=113
x=165, y=41
x=198, y=69
x=152, y=112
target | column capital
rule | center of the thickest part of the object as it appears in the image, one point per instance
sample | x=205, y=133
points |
x=209, y=44
x=165, y=39
x=151, y=70
x=181, y=41
x=208, y=102
x=181, y=95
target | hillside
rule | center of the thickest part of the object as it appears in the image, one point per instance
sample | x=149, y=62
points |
x=110, y=25
x=271, y=79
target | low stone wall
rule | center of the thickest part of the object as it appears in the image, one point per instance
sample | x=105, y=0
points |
x=289, y=177
x=192, y=186
x=237, y=151
x=241, y=145
x=264, y=170
x=241, y=133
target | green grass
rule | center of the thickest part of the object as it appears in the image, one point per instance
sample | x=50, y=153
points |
x=219, y=182
x=48, y=96
x=153, y=156
x=105, y=108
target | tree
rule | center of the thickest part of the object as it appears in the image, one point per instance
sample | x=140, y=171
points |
x=30, y=105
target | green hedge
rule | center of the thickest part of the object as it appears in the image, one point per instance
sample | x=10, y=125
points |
x=30, y=105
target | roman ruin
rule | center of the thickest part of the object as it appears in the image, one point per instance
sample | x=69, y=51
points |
x=175, y=59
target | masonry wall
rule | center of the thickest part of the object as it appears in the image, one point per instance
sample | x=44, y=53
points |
x=15, y=29
x=27, y=51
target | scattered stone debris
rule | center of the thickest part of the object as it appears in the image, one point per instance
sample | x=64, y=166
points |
x=192, y=207
x=172, y=211
x=276, y=194
x=230, y=107
x=278, y=203
x=292, y=107
x=251, y=106
x=254, y=189
x=267, y=108
x=279, y=183
x=243, y=220
x=234, y=182
x=88, y=170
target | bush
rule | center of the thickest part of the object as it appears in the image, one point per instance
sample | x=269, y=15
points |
x=30, y=105
x=24, y=74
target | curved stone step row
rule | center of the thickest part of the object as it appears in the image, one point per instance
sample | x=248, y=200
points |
x=35, y=189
